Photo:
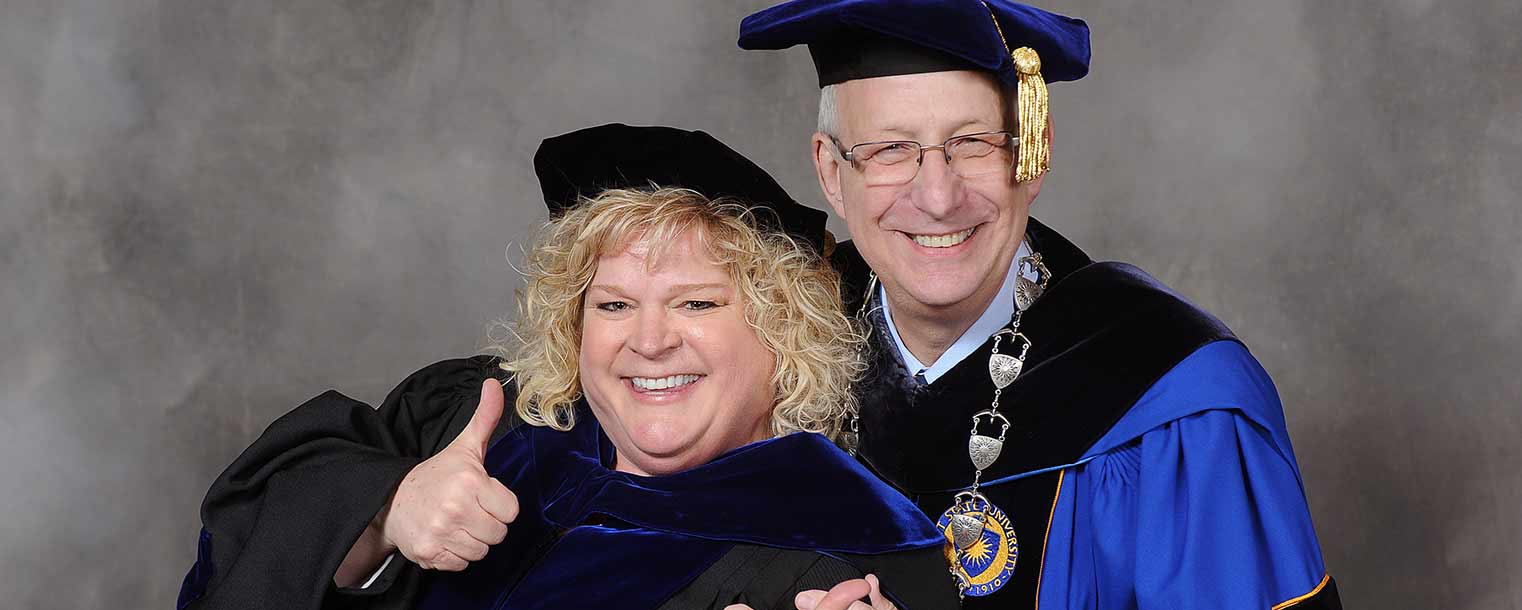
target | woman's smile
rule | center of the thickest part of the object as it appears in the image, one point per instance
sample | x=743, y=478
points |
x=663, y=389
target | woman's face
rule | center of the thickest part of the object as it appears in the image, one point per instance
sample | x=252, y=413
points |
x=668, y=363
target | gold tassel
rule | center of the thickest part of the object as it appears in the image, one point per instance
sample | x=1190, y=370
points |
x=1035, y=155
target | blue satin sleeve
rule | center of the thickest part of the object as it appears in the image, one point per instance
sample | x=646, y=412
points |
x=1192, y=501
x=1202, y=512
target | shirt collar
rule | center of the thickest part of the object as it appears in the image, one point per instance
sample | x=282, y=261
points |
x=998, y=313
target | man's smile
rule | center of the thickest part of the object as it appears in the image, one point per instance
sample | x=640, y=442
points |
x=942, y=240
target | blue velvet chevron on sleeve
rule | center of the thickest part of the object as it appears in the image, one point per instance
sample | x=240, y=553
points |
x=1194, y=500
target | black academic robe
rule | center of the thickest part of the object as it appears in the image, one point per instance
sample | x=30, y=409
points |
x=1102, y=335
x=754, y=526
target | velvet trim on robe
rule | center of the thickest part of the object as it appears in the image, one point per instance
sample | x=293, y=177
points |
x=588, y=536
x=1108, y=319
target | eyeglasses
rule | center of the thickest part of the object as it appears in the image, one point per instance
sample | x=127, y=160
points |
x=888, y=163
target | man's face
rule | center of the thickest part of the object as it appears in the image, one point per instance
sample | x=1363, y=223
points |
x=940, y=242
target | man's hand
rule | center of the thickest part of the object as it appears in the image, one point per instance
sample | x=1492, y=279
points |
x=447, y=511
x=844, y=596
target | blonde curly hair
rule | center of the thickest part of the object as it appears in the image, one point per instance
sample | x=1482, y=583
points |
x=791, y=299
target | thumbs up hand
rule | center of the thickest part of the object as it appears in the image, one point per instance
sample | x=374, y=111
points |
x=448, y=510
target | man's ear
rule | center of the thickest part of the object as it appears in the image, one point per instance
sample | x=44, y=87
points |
x=827, y=168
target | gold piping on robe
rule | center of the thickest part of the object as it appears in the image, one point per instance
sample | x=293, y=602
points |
x=1325, y=578
x=1041, y=573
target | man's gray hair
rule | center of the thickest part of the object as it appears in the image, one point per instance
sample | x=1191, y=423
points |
x=829, y=116
x=829, y=111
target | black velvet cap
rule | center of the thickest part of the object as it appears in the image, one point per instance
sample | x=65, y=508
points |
x=586, y=162
x=854, y=39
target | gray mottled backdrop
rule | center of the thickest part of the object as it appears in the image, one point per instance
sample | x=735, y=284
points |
x=212, y=210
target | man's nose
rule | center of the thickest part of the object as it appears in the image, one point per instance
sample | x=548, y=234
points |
x=654, y=335
x=935, y=187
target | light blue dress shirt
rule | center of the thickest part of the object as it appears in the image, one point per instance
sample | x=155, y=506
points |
x=994, y=317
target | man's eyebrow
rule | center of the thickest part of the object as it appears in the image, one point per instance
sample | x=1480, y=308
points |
x=968, y=123
x=897, y=132
x=892, y=132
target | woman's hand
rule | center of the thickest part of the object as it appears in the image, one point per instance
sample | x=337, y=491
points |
x=448, y=511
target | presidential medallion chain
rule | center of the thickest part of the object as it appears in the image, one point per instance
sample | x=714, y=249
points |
x=981, y=545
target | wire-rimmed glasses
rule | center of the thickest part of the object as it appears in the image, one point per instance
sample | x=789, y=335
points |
x=895, y=162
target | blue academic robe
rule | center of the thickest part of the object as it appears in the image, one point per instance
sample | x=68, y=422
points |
x=1192, y=500
x=1147, y=464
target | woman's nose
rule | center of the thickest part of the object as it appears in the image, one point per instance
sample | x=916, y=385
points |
x=654, y=335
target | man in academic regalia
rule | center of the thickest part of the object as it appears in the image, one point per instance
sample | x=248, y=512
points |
x=1086, y=437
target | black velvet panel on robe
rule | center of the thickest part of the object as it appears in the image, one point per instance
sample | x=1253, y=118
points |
x=1101, y=335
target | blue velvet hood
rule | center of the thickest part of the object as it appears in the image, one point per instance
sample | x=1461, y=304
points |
x=589, y=536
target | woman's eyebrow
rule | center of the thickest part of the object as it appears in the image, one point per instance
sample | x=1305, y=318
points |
x=699, y=286
x=608, y=288
x=674, y=289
